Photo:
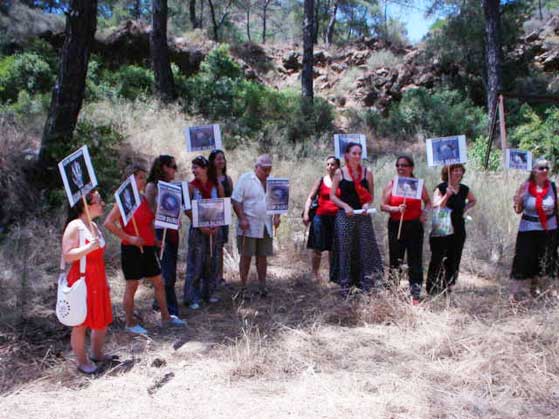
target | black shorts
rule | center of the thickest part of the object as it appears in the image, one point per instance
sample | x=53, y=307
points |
x=137, y=265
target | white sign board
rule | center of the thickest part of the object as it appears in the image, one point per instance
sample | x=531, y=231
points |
x=211, y=212
x=169, y=199
x=128, y=199
x=77, y=174
x=407, y=187
x=446, y=150
x=204, y=137
x=342, y=140
x=277, y=195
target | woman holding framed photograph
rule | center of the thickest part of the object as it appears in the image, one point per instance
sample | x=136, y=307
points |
x=322, y=216
x=356, y=258
x=446, y=250
x=204, y=244
x=139, y=255
x=218, y=170
x=535, y=254
x=78, y=230
x=410, y=214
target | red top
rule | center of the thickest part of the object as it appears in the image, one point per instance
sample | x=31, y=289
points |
x=144, y=220
x=99, y=311
x=325, y=205
x=413, y=208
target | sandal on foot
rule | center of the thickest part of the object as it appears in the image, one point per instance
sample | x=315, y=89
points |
x=87, y=369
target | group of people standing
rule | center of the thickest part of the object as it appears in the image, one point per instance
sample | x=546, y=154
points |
x=337, y=211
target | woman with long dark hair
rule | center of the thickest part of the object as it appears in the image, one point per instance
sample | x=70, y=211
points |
x=204, y=243
x=357, y=260
x=411, y=235
x=139, y=255
x=321, y=232
x=446, y=251
x=218, y=170
x=535, y=254
x=164, y=168
x=83, y=240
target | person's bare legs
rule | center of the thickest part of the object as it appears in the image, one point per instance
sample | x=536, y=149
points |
x=128, y=301
x=261, y=267
x=315, y=263
x=97, y=342
x=77, y=341
x=159, y=290
x=244, y=268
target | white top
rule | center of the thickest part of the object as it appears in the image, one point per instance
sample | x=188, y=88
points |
x=249, y=192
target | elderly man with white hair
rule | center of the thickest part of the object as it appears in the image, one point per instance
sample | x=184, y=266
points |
x=254, y=228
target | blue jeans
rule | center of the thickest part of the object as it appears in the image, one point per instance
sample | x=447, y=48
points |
x=169, y=273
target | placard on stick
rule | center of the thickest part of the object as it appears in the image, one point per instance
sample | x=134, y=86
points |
x=214, y=212
x=407, y=187
x=77, y=174
x=169, y=198
x=277, y=196
x=128, y=199
x=342, y=140
x=185, y=202
x=446, y=150
x=518, y=159
x=203, y=137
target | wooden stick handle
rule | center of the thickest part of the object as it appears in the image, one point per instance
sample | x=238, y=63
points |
x=163, y=243
x=211, y=247
x=137, y=232
x=88, y=216
x=401, y=221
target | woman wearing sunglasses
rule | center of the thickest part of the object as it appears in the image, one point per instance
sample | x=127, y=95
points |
x=411, y=235
x=535, y=252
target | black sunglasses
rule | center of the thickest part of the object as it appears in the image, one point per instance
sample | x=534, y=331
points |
x=172, y=166
x=542, y=168
x=403, y=165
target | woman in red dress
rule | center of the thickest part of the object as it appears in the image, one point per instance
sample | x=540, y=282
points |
x=83, y=239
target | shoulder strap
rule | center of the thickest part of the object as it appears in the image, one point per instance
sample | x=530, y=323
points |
x=319, y=186
x=554, y=187
x=81, y=242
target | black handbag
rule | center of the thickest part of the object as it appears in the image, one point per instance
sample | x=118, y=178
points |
x=314, y=203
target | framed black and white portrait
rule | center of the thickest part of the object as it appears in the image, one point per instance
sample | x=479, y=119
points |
x=128, y=199
x=203, y=137
x=77, y=174
x=342, y=140
x=407, y=187
x=169, y=205
x=446, y=150
x=277, y=196
x=211, y=212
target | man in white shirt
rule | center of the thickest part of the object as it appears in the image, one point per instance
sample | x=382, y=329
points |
x=254, y=227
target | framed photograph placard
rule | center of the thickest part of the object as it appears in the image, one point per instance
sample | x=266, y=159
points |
x=128, y=199
x=277, y=196
x=407, y=187
x=169, y=203
x=518, y=159
x=203, y=137
x=342, y=140
x=211, y=212
x=185, y=202
x=446, y=150
x=77, y=174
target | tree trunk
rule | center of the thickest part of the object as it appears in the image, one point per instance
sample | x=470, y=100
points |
x=215, y=28
x=137, y=9
x=248, y=22
x=492, y=53
x=67, y=94
x=331, y=24
x=192, y=13
x=316, y=22
x=201, y=21
x=264, y=19
x=159, y=50
x=307, y=74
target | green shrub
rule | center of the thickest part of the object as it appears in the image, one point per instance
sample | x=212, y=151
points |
x=432, y=114
x=476, y=154
x=103, y=142
x=538, y=133
x=131, y=81
x=27, y=71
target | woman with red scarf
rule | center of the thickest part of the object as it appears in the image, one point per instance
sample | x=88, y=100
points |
x=356, y=259
x=203, y=263
x=536, y=244
x=410, y=239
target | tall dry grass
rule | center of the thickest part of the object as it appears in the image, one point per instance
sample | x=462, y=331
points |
x=302, y=352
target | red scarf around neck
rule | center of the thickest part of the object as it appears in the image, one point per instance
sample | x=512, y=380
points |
x=204, y=188
x=362, y=192
x=533, y=190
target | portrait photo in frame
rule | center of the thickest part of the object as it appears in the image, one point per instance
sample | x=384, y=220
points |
x=203, y=137
x=211, y=212
x=342, y=140
x=407, y=187
x=518, y=159
x=77, y=174
x=128, y=199
x=446, y=150
x=169, y=205
x=277, y=196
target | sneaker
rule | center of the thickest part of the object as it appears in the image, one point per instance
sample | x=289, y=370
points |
x=136, y=330
x=213, y=300
x=174, y=321
x=194, y=306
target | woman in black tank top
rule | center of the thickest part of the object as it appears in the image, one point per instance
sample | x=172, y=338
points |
x=356, y=259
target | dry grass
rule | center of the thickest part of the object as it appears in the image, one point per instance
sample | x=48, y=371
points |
x=303, y=352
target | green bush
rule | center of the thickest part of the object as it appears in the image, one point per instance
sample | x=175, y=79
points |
x=476, y=154
x=538, y=133
x=103, y=142
x=432, y=114
x=27, y=71
x=131, y=81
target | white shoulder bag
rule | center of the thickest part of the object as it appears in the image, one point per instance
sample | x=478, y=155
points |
x=71, y=302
